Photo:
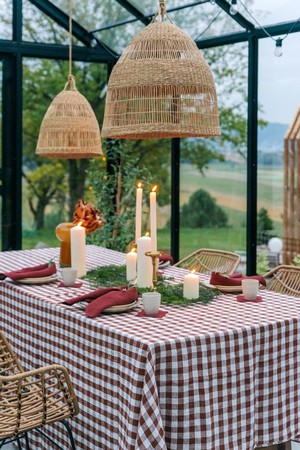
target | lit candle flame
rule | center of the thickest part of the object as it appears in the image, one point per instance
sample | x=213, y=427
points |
x=79, y=224
x=133, y=250
x=139, y=185
x=193, y=271
x=154, y=188
x=147, y=234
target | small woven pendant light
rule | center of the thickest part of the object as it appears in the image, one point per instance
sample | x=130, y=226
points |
x=69, y=128
x=161, y=87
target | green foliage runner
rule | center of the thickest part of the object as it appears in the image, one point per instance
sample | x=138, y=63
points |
x=112, y=275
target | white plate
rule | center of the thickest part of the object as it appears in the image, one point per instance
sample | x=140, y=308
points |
x=163, y=264
x=116, y=308
x=229, y=289
x=41, y=280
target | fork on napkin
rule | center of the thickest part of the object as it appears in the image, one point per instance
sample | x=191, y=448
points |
x=104, y=298
x=40, y=271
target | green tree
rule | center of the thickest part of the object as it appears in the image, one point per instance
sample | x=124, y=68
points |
x=264, y=221
x=202, y=212
x=45, y=184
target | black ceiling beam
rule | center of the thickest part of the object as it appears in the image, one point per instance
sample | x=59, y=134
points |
x=55, y=51
x=135, y=11
x=125, y=22
x=239, y=18
x=62, y=19
x=243, y=36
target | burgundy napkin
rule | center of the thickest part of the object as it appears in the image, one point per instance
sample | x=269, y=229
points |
x=109, y=299
x=43, y=270
x=92, y=295
x=165, y=257
x=220, y=280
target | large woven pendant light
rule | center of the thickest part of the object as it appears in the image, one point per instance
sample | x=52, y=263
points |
x=69, y=128
x=161, y=87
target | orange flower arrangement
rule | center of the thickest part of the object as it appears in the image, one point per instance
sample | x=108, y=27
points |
x=88, y=215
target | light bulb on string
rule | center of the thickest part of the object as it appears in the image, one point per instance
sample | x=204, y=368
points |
x=233, y=8
x=278, y=48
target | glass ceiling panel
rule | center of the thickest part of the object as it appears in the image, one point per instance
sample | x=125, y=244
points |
x=95, y=13
x=43, y=29
x=6, y=19
x=267, y=12
x=118, y=38
x=204, y=20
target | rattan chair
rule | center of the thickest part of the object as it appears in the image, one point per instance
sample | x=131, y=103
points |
x=284, y=279
x=29, y=400
x=207, y=260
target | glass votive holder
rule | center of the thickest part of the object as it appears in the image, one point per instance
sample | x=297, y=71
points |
x=250, y=289
x=151, y=302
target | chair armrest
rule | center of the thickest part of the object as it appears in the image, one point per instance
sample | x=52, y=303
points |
x=45, y=388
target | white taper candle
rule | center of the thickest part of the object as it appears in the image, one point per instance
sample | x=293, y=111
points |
x=144, y=263
x=78, y=256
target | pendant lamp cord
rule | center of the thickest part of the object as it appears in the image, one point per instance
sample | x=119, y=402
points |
x=70, y=39
x=162, y=11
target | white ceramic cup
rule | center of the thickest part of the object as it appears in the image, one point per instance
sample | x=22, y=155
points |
x=250, y=289
x=69, y=276
x=151, y=302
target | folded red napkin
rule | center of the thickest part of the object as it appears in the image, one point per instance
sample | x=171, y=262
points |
x=112, y=298
x=92, y=295
x=165, y=257
x=220, y=280
x=41, y=271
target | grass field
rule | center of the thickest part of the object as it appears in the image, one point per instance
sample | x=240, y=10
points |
x=226, y=182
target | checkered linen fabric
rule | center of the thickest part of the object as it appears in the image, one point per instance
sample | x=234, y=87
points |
x=217, y=376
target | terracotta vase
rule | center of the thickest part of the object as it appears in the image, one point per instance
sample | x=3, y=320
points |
x=63, y=234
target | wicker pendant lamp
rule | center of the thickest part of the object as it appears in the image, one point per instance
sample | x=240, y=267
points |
x=69, y=128
x=161, y=87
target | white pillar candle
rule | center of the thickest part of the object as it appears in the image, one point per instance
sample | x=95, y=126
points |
x=131, y=258
x=78, y=258
x=191, y=286
x=138, y=211
x=153, y=223
x=144, y=263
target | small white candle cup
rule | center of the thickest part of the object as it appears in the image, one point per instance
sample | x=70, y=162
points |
x=69, y=276
x=250, y=289
x=151, y=302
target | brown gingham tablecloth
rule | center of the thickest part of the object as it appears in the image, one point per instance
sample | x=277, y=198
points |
x=219, y=376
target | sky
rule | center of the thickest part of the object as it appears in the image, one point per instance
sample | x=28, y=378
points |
x=279, y=78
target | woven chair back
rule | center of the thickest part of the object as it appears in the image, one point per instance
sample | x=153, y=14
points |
x=32, y=399
x=209, y=260
x=284, y=279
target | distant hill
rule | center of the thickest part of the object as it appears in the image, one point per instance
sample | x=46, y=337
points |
x=271, y=137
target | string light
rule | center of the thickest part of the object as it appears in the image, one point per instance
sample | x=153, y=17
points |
x=278, y=42
x=278, y=47
x=213, y=2
x=233, y=8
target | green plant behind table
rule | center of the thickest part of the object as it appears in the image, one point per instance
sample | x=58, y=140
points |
x=115, y=196
x=202, y=211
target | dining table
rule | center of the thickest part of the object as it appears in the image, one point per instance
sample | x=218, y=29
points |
x=220, y=375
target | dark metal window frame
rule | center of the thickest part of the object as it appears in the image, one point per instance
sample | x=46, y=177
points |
x=12, y=53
